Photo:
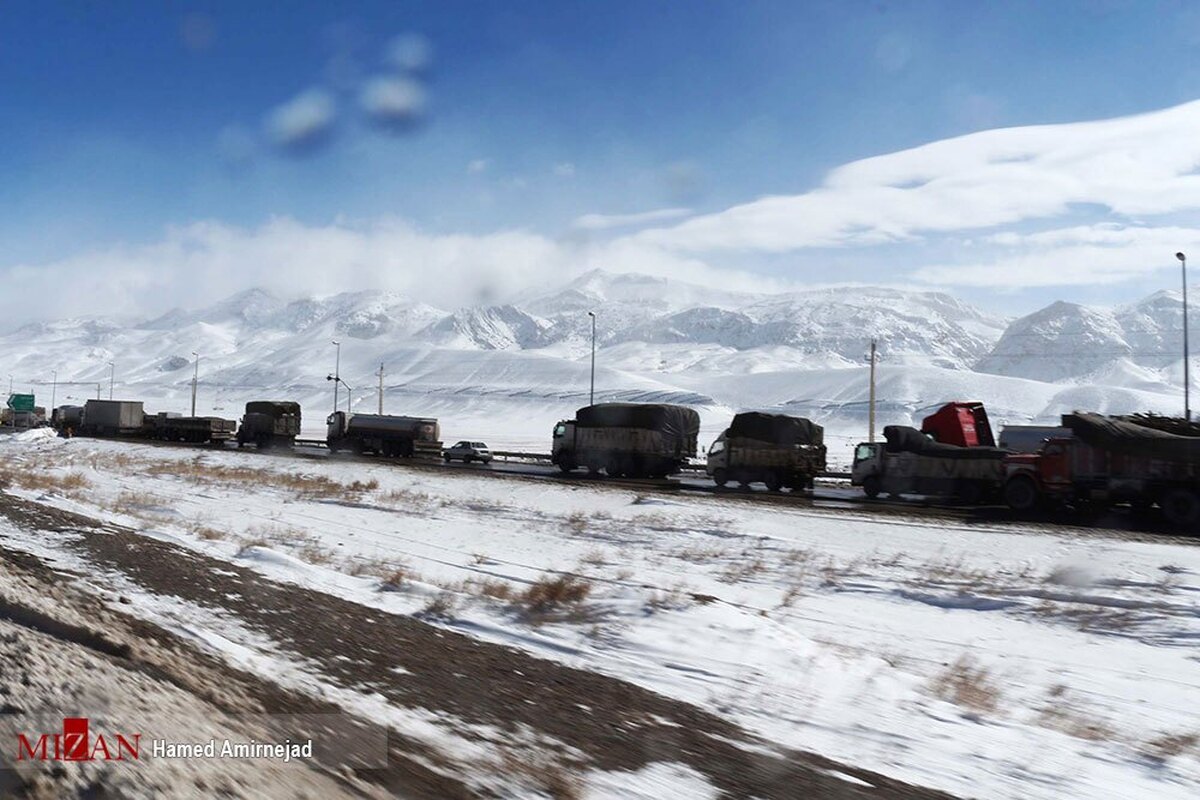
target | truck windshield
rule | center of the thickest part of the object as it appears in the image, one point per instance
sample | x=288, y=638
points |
x=559, y=430
x=864, y=452
x=717, y=447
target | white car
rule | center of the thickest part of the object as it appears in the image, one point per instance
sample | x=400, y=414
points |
x=467, y=452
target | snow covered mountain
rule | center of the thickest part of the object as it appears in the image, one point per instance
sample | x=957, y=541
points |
x=521, y=366
x=1140, y=342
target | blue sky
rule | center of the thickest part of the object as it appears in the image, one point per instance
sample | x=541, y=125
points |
x=123, y=127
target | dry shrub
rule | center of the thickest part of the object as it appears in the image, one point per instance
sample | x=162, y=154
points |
x=742, y=570
x=1169, y=745
x=554, y=592
x=495, y=589
x=250, y=543
x=314, y=554
x=1075, y=722
x=577, y=521
x=968, y=685
x=543, y=773
x=207, y=533
x=594, y=558
x=396, y=579
x=440, y=606
x=33, y=480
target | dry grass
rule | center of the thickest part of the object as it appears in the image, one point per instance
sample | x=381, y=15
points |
x=577, y=521
x=545, y=774
x=441, y=606
x=967, y=685
x=743, y=570
x=396, y=579
x=250, y=543
x=554, y=592
x=1061, y=715
x=1169, y=745
x=34, y=479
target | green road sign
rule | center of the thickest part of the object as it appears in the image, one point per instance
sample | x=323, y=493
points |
x=20, y=402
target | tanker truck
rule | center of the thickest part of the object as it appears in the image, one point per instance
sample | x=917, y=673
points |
x=778, y=450
x=635, y=440
x=384, y=434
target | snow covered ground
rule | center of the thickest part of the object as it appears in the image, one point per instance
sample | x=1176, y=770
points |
x=986, y=661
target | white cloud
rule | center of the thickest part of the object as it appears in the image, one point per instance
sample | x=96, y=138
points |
x=204, y=262
x=393, y=101
x=598, y=222
x=1138, y=165
x=302, y=122
x=1080, y=255
x=565, y=170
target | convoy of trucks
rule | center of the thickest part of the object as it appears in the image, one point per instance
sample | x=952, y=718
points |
x=1090, y=460
x=634, y=440
x=775, y=449
x=384, y=434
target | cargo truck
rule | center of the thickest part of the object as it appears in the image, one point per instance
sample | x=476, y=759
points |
x=112, y=418
x=384, y=434
x=635, y=440
x=953, y=455
x=775, y=449
x=1108, y=461
x=198, y=430
x=269, y=423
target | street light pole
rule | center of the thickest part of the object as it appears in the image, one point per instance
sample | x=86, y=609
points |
x=381, y=390
x=592, y=390
x=112, y=378
x=337, y=373
x=53, y=389
x=195, y=380
x=871, y=401
x=1187, y=378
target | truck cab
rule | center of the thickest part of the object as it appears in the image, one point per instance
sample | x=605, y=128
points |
x=562, y=446
x=867, y=470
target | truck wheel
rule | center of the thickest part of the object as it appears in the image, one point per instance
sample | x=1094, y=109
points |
x=593, y=470
x=1181, y=507
x=772, y=482
x=872, y=486
x=1021, y=494
x=720, y=476
x=566, y=465
x=613, y=468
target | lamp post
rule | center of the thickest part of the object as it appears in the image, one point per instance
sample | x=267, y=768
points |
x=53, y=389
x=195, y=380
x=349, y=389
x=112, y=378
x=592, y=390
x=871, y=396
x=1187, y=380
x=337, y=373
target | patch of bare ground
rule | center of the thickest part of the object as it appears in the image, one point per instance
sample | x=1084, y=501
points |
x=412, y=664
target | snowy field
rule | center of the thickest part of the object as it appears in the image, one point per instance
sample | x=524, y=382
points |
x=995, y=662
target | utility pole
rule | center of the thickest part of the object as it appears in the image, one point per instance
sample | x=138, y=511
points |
x=380, y=390
x=1187, y=378
x=592, y=390
x=97, y=391
x=337, y=374
x=871, y=411
x=53, y=389
x=112, y=378
x=195, y=380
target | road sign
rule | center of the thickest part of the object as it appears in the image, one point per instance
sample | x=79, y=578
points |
x=20, y=402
